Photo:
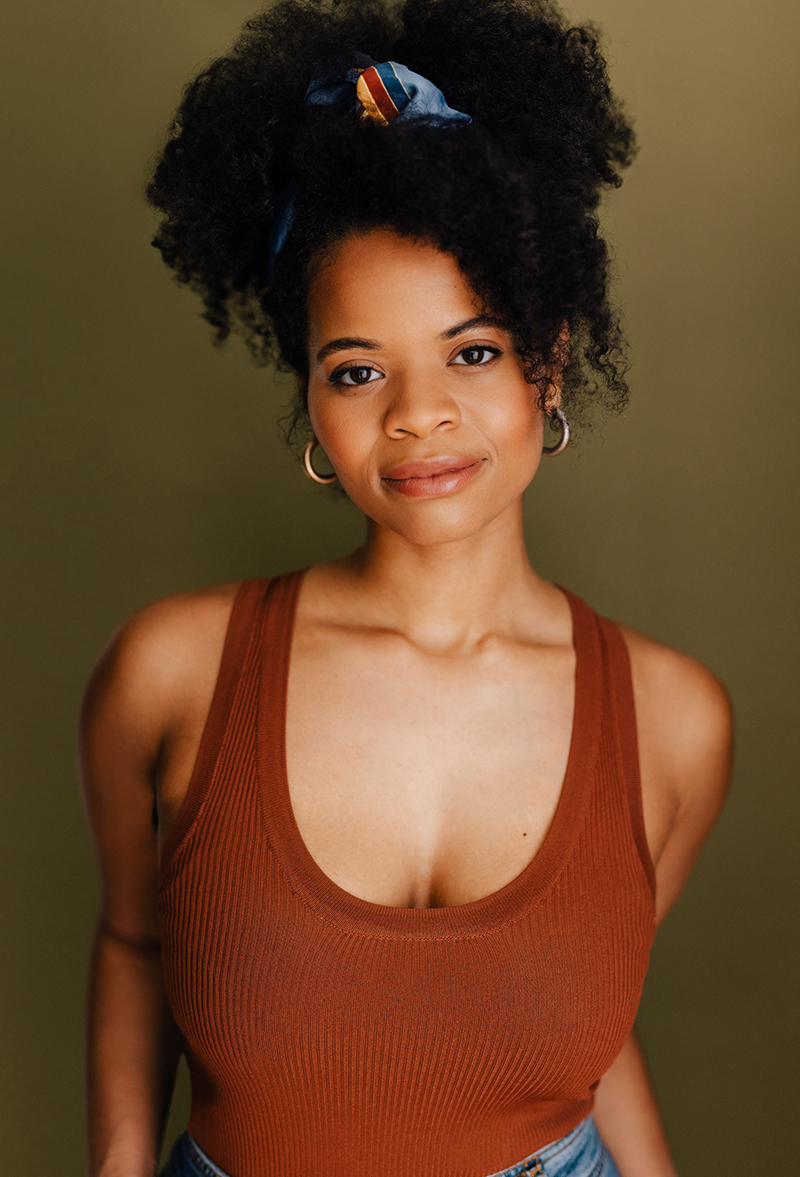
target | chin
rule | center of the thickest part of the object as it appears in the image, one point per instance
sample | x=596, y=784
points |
x=435, y=522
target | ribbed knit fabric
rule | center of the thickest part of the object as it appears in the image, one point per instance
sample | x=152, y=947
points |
x=331, y=1036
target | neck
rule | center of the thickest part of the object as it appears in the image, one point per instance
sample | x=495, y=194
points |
x=449, y=597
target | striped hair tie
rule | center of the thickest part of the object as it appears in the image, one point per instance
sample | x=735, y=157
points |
x=381, y=93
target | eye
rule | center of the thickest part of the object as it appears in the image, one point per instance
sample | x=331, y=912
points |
x=355, y=374
x=477, y=355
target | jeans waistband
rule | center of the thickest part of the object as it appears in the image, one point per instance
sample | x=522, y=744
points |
x=187, y=1159
x=581, y=1153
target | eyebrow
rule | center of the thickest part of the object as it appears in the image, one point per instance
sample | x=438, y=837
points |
x=348, y=342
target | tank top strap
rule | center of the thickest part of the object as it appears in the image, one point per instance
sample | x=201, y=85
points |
x=245, y=621
x=621, y=713
x=276, y=631
x=276, y=642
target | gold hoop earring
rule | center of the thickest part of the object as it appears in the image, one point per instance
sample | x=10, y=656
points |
x=322, y=479
x=552, y=451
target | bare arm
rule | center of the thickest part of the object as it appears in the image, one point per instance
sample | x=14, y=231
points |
x=627, y=1117
x=140, y=726
x=684, y=727
x=133, y=1051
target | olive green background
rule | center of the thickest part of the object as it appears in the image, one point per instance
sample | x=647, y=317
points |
x=138, y=460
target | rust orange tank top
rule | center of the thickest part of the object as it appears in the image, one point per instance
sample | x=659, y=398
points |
x=327, y=1034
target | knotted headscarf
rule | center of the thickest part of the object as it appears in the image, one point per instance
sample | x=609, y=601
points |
x=380, y=92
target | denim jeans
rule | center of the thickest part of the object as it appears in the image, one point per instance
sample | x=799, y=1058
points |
x=581, y=1153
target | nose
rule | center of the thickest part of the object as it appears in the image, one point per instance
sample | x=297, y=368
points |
x=419, y=407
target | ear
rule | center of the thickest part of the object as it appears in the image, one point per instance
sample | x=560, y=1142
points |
x=557, y=367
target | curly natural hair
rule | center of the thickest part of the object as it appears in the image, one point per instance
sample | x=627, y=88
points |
x=512, y=196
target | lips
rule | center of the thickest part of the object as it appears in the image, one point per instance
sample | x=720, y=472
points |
x=429, y=477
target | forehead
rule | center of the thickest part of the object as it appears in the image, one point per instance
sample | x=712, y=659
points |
x=381, y=285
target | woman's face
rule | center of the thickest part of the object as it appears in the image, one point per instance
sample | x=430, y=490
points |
x=419, y=402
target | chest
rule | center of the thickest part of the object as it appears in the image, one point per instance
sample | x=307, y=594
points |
x=425, y=781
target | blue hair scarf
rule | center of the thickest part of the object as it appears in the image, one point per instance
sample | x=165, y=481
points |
x=380, y=92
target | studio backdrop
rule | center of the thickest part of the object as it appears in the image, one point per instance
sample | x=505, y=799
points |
x=137, y=460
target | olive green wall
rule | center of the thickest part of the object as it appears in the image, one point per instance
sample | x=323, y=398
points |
x=138, y=460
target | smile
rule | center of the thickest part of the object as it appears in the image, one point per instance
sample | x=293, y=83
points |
x=429, y=479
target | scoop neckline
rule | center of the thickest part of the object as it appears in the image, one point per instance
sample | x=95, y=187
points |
x=351, y=913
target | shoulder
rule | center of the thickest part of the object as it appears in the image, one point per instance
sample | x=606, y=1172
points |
x=684, y=725
x=678, y=699
x=157, y=660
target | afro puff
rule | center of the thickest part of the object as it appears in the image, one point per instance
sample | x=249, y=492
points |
x=512, y=196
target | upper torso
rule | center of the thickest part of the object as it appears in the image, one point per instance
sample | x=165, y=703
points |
x=405, y=742
x=330, y=1030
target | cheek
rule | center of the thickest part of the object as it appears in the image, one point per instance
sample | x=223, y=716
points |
x=513, y=426
x=512, y=423
x=344, y=429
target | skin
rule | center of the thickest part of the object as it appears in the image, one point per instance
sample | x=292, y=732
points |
x=430, y=692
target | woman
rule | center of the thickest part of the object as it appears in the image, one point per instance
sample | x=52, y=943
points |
x=384, y=842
